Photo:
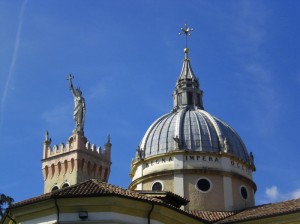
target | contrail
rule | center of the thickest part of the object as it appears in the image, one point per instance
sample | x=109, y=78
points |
x=13, y=61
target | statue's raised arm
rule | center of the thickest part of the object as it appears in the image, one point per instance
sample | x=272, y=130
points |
x=79, y=106
x=70, y=77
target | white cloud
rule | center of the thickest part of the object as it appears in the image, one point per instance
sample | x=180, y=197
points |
x=295, y=194
x=273, y=194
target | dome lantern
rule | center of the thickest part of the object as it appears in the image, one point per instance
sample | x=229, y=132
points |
x=187, y=92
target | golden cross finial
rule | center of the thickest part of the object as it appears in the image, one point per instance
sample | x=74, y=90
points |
x=187, y=31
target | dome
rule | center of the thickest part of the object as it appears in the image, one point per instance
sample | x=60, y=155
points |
x=189, y=127
x=192, y=130
x=194, y=154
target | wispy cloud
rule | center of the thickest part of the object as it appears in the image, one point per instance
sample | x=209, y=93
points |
x=250, y=26
x=272, y=194
x=13, y=60
x=97, y=91
x=256, y=76
x=57, y=115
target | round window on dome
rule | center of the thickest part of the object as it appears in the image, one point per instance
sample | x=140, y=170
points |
x=203, y=184
x=157, y=186
x=244, y=192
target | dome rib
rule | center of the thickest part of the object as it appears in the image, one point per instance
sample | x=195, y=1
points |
x=147, y=135
x=212, y=120
x=209, y=134
x=199, y=131
x=160, y=131
x=169, y=139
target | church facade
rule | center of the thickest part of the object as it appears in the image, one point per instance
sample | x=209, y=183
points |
x=190, y=167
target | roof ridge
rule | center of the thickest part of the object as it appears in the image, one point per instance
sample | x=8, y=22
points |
x=265, y=210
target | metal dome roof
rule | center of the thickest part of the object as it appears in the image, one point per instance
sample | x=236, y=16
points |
x=192, y=130
x=189, y=126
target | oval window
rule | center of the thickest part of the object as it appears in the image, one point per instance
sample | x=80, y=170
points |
x=203, y=185
x=244, y=192
x=157, y=186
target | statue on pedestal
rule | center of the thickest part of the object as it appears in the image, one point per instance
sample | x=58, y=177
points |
x=79, y=106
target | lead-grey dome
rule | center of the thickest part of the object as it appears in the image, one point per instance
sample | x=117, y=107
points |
x=189, y=126
x=192, y=130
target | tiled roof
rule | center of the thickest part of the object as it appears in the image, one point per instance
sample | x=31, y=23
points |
x=166, y=196
x=265, y=211
x=212, y=216
x=90, y=188
x=96, y=188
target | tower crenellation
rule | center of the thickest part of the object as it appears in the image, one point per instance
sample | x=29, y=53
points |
x=55, y=150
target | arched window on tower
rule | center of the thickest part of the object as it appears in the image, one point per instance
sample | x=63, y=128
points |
x=52, y=170
x=46, y=172
x=59, y=168
x=72, y=165
x=65, y=167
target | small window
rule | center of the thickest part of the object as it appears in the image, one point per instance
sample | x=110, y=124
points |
x=190, y=98
x=55, y=188
x=179, y=99
x=157, y=186
x=65, y=185
x=199, y=99
x=203, y=184
x=244, y=192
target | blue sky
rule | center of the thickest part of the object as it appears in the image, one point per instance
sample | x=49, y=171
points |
x=126, y=57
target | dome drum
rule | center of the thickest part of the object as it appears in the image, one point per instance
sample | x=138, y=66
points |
x=187, y=161
x=180, y=171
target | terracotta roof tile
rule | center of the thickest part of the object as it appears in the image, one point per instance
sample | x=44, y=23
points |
x=265, y=211
x=212, y=216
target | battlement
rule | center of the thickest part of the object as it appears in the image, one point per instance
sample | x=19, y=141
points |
x=76, y=141
x=75, y=161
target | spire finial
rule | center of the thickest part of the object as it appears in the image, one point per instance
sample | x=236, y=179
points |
x=187, y=31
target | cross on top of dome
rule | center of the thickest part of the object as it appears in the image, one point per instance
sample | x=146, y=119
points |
x=187, y=31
